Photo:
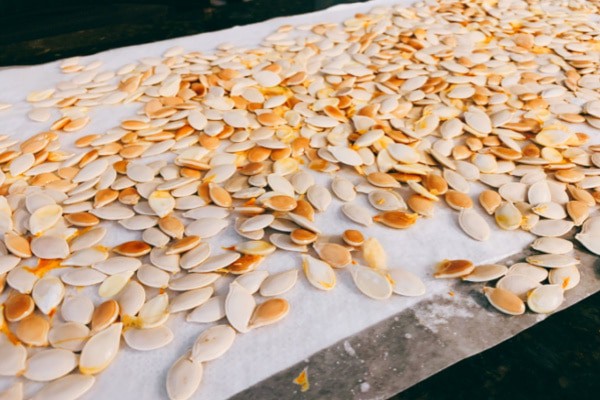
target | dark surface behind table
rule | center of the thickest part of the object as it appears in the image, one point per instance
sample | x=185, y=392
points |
x=556, y=359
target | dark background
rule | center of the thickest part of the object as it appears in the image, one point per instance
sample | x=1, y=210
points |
x=556, y=359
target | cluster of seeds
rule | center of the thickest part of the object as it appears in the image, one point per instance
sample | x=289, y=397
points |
x=402, y=106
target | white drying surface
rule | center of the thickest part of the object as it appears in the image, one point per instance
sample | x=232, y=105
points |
x=317, y=319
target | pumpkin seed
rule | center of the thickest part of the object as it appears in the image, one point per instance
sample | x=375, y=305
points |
x=474, y=225
x=69, y=387
x=279, y=284
x=148, y=339
x=210, y=311
x=183, y=378
x=518, y=284
x=319, y=273
x=454, y=269
x=504, y=301
x=269, y=312
x=13, y=358
x=373, y=283
x=545, y=298
x=239, y=306
x=212, y=343
x=406, y=283
x=485, y=273
x=343, y=189
x=48, y=365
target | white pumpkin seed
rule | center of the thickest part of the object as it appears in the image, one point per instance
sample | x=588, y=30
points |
x=278, y=284
x=100, y=350
x=406, y=283
x=474, y=224
x=213, y=343
x=148, y=339
x=372, y=283
x=239, y=306
x=545, y=299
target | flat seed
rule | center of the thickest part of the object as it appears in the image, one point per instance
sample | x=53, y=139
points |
x=353, y=238
x=212, y=310
x=303, y=237
x=88, y=239
x=257, y=222
x=578, y=211
x=384, y=200
x=504, y=301
x=219, y=196
x=190, y=299
x=319, y=273
x=545, y=298
x=212, y=343
x=334, y=254
x=195, y=257
x=117, y=265
x=114, y=284
x=508, y=216
x=552, y=260
x=357, y=213
x=131, y=298
x=33, y=330
x=134, y=248
x=48, y=365
x=552, y=228
x=473, y=224
x=113, y=212
x=13, y=358
x=406, y=283
x=567, y=277
x=70, y=387
x=44, y=218
x=453, y=269
x=50, y=247
x=239, y=306
x=148, y=339
x=490, y=201
x=269, y=312
x=343, y=189
x=78, y=309
x=285, y=242
x=539, y=274
x=396, y=219
x=589, y=241
x=485, y=273
x=421, y=205
x=48, y=293
x=104, y=315
x=383, y=180
x=161, y=202
x=280, y=203
x=83, y=277
x=518, y=284
x=18, y=306
x=551, y=245
x=319, y=197
x=372, y=283
x=278, y=284
x=458, y=200
x=154, y=312
x=183, y=378
x=69, y=336
x=193, y=281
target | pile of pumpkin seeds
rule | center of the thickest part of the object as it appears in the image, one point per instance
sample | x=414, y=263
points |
x=456, y=103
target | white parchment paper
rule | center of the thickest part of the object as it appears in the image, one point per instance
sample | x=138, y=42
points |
x=317, y=319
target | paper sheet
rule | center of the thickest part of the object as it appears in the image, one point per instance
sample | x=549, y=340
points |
x=317, y=319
